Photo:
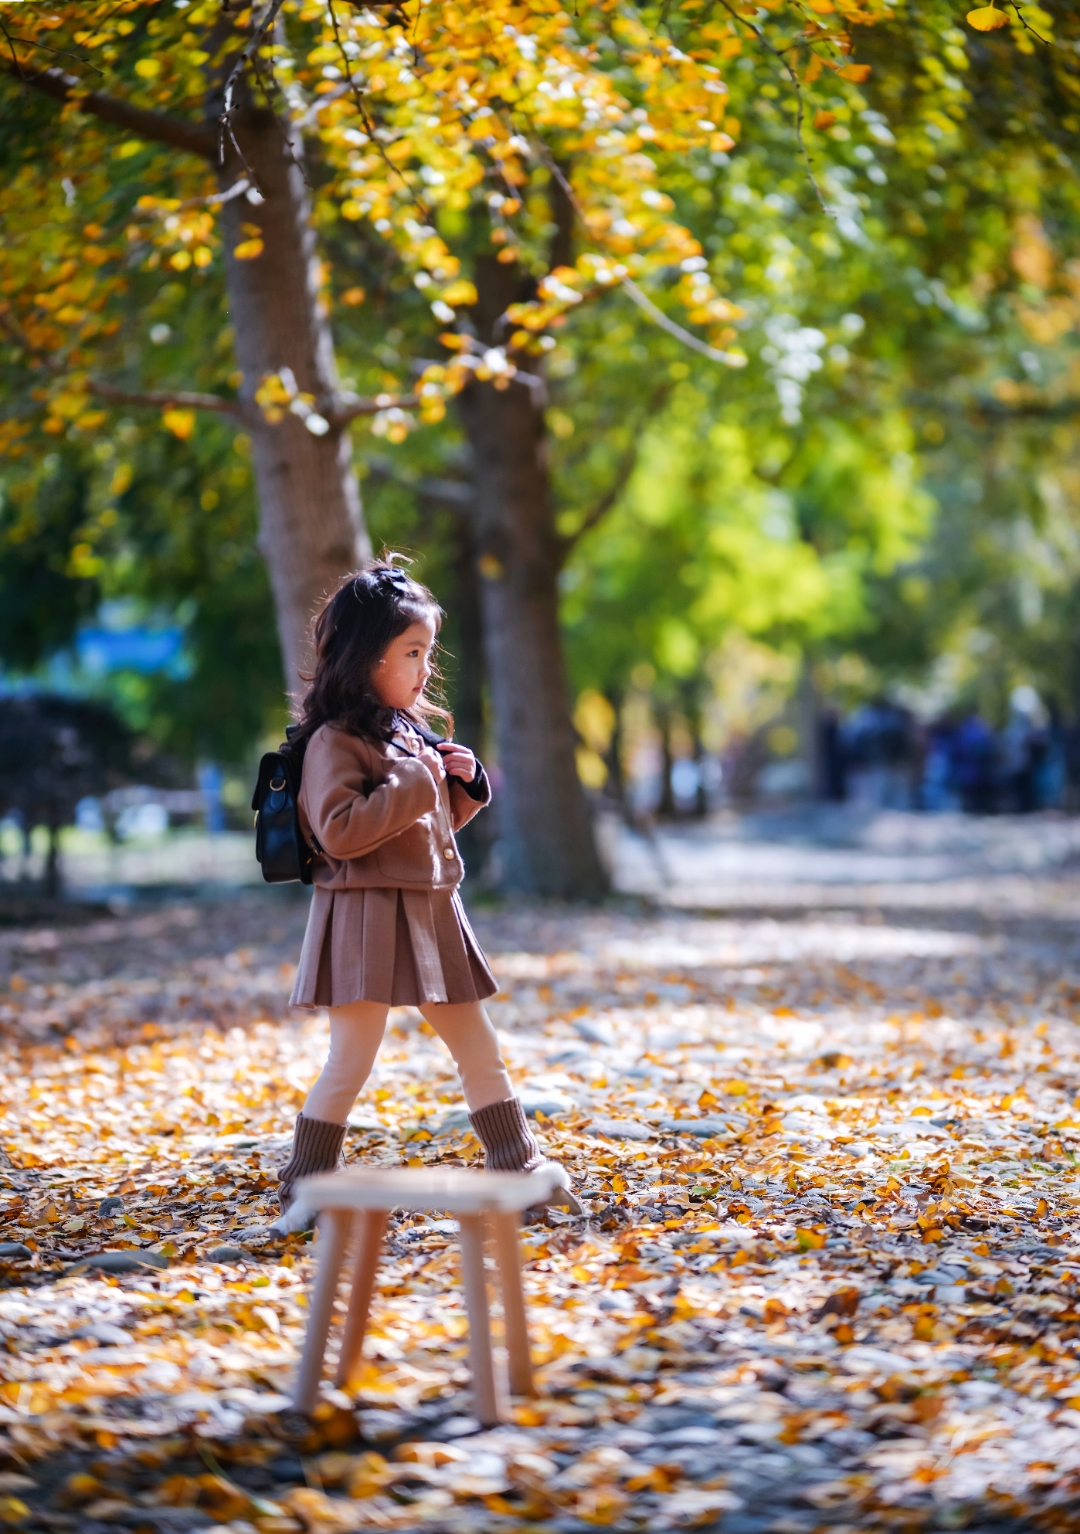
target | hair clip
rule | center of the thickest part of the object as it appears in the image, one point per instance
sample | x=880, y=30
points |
x=377, y=580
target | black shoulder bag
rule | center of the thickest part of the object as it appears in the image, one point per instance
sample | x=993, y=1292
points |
x=279, y=843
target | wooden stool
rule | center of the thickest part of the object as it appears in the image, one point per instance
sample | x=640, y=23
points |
x=364, y=1198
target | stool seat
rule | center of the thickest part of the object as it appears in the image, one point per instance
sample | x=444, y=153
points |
x=359, y=1202
x=455, y=1189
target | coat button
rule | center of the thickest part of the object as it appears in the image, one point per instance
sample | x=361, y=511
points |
x=448, y=853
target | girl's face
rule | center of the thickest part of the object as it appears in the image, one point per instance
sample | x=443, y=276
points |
x=400, y=677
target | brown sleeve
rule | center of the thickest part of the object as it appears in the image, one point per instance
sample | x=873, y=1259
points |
x=347, y=816
x=467, y=800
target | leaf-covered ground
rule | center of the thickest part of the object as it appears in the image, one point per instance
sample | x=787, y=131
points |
x=827, y=1280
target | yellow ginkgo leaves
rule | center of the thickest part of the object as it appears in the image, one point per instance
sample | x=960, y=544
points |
x=987, y=18
x=180, y=422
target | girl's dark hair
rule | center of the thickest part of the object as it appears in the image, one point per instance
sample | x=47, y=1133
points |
x=365, y=614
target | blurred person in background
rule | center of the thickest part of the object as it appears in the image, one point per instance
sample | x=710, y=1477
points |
x=939, y=791
x=880, y=742
x=832, y=762
x=974, y=752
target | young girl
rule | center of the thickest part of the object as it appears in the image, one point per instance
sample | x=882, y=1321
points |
x=380, y=801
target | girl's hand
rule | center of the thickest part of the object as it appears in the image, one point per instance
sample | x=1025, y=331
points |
x=434, y=763
x=458, y=761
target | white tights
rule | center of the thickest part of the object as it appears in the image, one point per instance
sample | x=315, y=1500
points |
x=356, y=1032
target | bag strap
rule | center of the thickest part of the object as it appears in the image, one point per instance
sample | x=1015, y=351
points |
x=428, y=736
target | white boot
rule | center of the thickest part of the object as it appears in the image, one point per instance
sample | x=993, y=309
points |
x=510, y=1146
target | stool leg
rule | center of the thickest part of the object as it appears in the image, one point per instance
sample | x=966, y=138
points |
x=372, y=1223
x=474, y=1283
x=333, y=1237
x=515, y=1322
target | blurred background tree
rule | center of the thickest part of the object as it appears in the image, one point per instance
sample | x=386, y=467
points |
x=58, y=751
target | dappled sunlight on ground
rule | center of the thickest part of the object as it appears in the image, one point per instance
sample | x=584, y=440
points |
x=827, y=1277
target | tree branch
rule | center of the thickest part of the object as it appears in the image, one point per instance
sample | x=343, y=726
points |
x=600, y=508
x=561, y=249
x=30, y=42
x=312, y=113
x=215, y=200
x=631, y=289
x=192, y=138
x=995, y=412
x=1027, y=25
x=351, y=409
x=240, y=410
x=247, y=55
x=454, y=493
x=1028, y=410
x=448, y=493
x=16, y=66
x=357, y=92
x=185, y=398
x=797, y=83
x=658, y=317
x=457, y=494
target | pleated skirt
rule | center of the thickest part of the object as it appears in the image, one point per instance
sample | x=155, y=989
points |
x=402, y=947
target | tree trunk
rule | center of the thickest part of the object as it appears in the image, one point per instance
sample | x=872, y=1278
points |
x=476, y=838
x=693, y=710
x=468, y=619
x=52, y=883
x=311, y=524
x=546, y=833
x=808, y=730
x=667, y=809
x=616, y=784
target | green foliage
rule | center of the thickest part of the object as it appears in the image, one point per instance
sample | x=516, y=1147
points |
x=186, y=543
x=887, y=483
x=887, y=477
x=41, y=600
x=170, y=530
x=702, y=544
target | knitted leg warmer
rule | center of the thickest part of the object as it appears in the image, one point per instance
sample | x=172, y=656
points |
x=511, y=1146
x=316, y=1148
x=504, y=1132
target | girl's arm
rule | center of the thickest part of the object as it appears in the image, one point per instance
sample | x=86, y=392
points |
x=468, y=795
x=347, y=816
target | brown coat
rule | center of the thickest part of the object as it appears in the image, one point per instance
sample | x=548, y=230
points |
x=386, y=922
x=380, y=816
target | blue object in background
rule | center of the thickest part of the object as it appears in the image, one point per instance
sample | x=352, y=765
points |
x=102, y=650
x=88, y=816
x=210, y=783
